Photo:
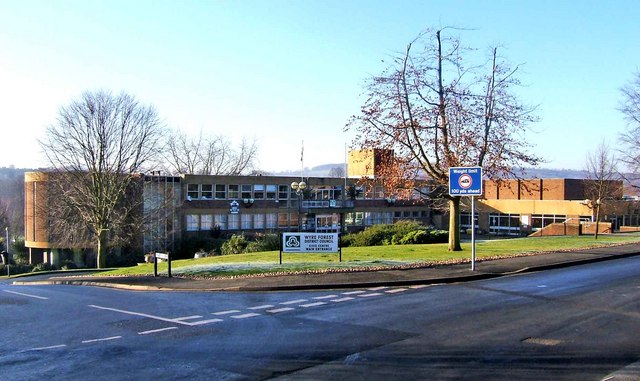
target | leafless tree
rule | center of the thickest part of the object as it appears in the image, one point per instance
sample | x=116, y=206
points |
x=602, y=170
x=630, y=138
x=96, y=146
x=210, y=155
x=438, y=109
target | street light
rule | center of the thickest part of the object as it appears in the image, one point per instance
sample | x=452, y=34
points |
x=299, y=188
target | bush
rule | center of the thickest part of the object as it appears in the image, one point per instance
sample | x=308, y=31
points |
x=235, y=245
x=400, y=233
x=265, y=242
x=43, y=267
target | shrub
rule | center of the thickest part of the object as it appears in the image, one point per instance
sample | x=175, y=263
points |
x=43, y=267
x=264, y=242
x=400, y=233
x=235, y=245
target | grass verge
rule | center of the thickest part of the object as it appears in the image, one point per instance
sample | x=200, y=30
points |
x=371, y=258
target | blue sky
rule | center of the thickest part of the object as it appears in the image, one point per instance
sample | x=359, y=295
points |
x=287, y=71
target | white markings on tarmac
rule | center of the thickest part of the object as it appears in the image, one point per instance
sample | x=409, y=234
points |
x=228, y=312
x=244, y=316
x=283, y=309
x=101, y=339
x=297, y=301
x=156, y=330
x=27, y=295
x=232, y=313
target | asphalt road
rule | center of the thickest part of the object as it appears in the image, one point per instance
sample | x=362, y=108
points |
x=576, y=323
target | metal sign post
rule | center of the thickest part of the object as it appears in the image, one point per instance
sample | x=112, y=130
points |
x=467, y=181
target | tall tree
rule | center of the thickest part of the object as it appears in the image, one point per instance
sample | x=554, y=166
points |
x=601, y=168
x=97, y=145
x=436, y=109
x=210, y=155
x=630, y=138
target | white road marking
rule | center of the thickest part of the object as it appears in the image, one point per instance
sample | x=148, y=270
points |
x=102, y=339
x=156, y=330
x=418, y=286
x=324, y=297
x=354, y=292
x=369, y=295
x=23, y=294
x=44, y=348
x=313, y=304
x=283, y=309
x=342, y=299
x=200, y=322
x=378, y=288
x=297, y=301
x=188, y=318
x=228, y=312
x=141, y=314
x=244, y=316
x=395, y=290
x=260, y=307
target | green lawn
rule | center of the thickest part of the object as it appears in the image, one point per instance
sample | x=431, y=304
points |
x=371, y=257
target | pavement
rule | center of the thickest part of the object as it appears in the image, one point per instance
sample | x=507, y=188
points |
x=440, y=274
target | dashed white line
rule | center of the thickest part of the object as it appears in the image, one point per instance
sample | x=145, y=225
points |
x=324, y=297
x=102, y=339
x=228, y=312
x=370, y=295
x=342, y=299
x=44, y=348
x=244, y=316
x=313, y=304
x=297, y=301
x=378, y=288
x=354, y=292
x=156, y=330
x=418, y=286
x=395, y=290
x=28, y=295
x=283, y=309
x=205, y=321
x=263, y=307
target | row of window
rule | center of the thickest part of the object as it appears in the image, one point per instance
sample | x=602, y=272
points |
x=259, y=221
x=280, y=192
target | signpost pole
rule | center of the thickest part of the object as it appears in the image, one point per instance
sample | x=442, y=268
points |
x=473, y=233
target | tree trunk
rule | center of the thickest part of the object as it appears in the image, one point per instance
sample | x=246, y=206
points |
x=454, y=224
x=102, y=248
x=595, y=235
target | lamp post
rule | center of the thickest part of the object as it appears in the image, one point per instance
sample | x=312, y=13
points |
x=299, y=188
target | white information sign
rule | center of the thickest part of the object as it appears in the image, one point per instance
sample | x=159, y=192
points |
x=310, y=242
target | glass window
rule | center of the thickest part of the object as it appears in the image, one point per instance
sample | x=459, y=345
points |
x=193, y=191
x=272, y=220
x=245, y=220
x=234, y=191
x=207, y=191
x=258, y=221
x=193, y=222
x=283, y=220
x=258, y=191
x=234, y=221
x=283, y=192
x=220, y=221
x=221, y=191
x=206, y=222
x=246, y=191
x=271, y=191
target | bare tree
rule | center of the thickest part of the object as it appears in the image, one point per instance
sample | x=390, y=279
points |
x=601, y=172
x=437, y=111
x=630, y=138
x=97, y=144
x=210, y=155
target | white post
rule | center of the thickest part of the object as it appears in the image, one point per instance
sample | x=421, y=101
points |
x=473, y=233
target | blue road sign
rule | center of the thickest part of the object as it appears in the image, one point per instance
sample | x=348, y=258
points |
x=465, y=181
